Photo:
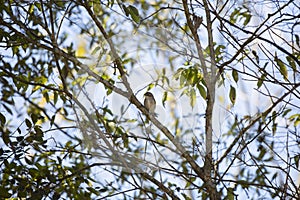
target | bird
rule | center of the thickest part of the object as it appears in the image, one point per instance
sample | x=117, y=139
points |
x=150, y=103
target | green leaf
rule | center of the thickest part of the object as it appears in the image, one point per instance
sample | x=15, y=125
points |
x=34, y=118
x=232, y=94
x=165, y=98
x=247, y=17
x=182, y=79
x=46, y=95
x=38, y=5
x=97, y=8
x=261, y=80
x=274, y=176
x=55, y=98
x=202, y=91
x=274, y=124
x=192, y=97
x=96, y=49
x=134, y=13
x=2, y=119
x=38, y=130
x=219, y=52
x=41, y=79
x=296, y=159
x=296, y=119
x=150, y=86
x=126, y=10
x=262, y=153
x=4, y=192
x=178, y=73
x=230, y=193
x=108, y=91
x=5, y=138
x=31, y=9
x=286, y=112
x=233, y=16
x=28, y=123
x=235, y=75
x=282, y=68
x=291, y=63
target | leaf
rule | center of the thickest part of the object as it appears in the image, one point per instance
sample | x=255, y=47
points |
x=165, y=99
x=4, y=192
x=274, y=124
x=5, y=138
x=52, y=120
x=235, y=75
x=233, y=16
x=38, y=5
x=219, y=51
x=274, y=176
x=232, y=94
x=46, y=95
x=97, y=8
x=134, y=13
x=256, y=56
x=28, y=123
x=38, y=130
x=150, y=86
x=178, y=73
x=247, y=17
x=193, y=76
x=296, y=119
x=2, y=119
x=296, y=159
x=202, y=91
x=230, y=193
x=34, y=118
x=291, y=63
x=192, y=97
x=55, y=98
x=282, y=68
x=126, y=10
x=261, y=80
x=95, y=50
x=262, y=153
x=31, y=9
x=286, y=112
x=297, y=40
x=182, y=79
x=7, y=109
x=41, y=79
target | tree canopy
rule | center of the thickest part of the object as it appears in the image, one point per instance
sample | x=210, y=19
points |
x=225, y=76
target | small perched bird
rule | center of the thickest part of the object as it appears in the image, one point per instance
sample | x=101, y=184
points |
x=150, y=102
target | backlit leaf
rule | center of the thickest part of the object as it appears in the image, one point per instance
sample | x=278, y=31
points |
x=232, y=94
x=235, y=75
x=202, y=91
x=192, y=97
x=134, y=13
x=282, y=68
x=165, y=98
x=291, y=63
x=261, y=80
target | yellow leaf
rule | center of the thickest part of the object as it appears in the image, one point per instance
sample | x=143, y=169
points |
x=81, y=51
